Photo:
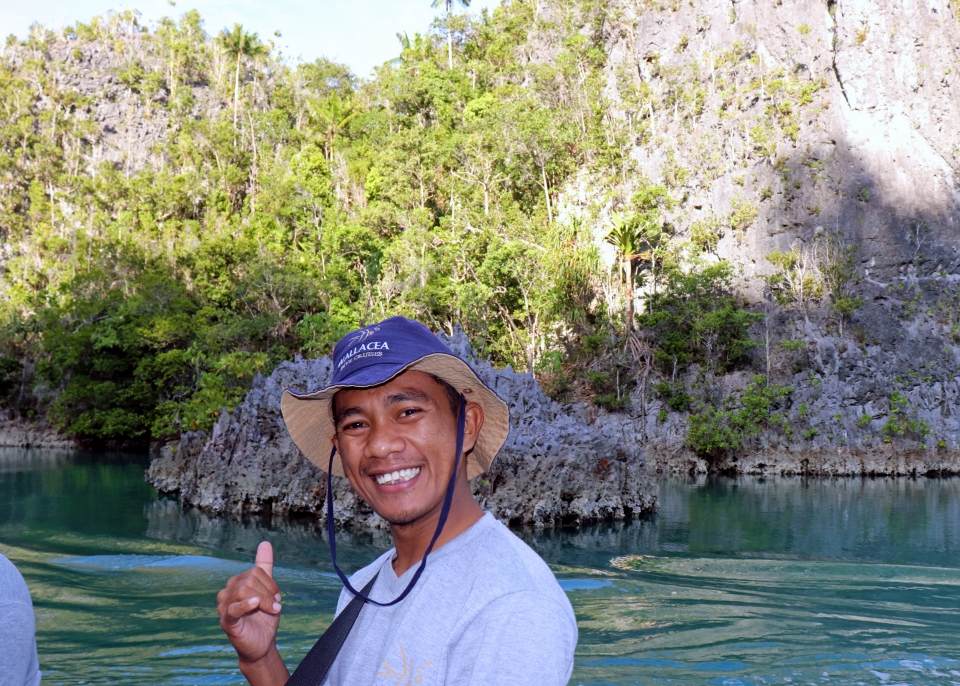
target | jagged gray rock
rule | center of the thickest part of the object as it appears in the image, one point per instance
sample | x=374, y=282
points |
x=874, y=154
x=553, y=468
x=21, y=433
x=890, y=406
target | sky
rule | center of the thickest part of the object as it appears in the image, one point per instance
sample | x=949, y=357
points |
x=359, y=33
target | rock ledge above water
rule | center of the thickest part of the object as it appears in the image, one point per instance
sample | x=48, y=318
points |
x=554, y=468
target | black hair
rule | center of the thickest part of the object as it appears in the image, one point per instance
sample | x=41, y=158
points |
x=453, y=398
x=453, y=395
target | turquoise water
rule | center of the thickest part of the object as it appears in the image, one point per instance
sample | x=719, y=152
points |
x=735, y=582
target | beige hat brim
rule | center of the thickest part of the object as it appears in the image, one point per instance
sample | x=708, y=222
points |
x=309, y=418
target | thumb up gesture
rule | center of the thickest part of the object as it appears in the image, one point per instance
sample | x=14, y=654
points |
x=249, y=609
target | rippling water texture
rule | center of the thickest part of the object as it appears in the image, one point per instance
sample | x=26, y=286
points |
x=741, y=581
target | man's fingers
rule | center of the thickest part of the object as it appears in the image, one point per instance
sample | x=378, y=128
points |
x=254, y=574
x=265, y=557
x=264, y=578
x=239, y=609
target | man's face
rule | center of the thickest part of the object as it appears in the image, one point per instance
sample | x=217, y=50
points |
x=397, y=444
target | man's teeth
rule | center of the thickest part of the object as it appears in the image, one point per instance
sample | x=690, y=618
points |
x=397, y=477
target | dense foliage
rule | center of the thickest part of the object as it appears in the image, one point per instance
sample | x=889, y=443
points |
x=279, y=207
x=698, y=318
x=725, y=424
x=180, y=211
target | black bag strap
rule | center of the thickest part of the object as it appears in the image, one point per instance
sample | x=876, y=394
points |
x=314, y=667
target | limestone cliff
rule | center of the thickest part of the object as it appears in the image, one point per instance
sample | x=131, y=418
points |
x=775, y=124
x=837, y=115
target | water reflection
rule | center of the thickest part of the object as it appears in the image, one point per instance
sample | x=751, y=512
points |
x=905, y=521
x=297, y=541
x=743, y=581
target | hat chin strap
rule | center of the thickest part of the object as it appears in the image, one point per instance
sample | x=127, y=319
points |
x=444, y=512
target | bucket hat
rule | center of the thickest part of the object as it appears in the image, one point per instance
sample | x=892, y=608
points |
x=374, y=355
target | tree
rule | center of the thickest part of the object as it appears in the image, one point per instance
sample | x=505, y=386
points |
x=242, y=44
x=648, y=201
x=626, y=236
x=448, y=4
x=332, y=115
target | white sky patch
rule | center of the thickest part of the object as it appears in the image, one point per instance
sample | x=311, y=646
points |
x=359, y=33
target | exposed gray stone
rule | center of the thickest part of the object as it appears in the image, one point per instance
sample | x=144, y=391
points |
x=19, y=433
x=553, y=468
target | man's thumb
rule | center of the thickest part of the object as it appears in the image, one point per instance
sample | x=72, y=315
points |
x=265, y=557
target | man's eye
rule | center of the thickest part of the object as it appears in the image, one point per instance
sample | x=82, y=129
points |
x=409, y=411
x=353, y=425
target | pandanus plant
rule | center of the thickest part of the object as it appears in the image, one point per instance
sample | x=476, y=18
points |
x=627, y=236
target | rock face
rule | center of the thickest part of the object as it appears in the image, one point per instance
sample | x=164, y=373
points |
x=838, y=114
x=18, y=433
x=553, y=469
x=888, y=408
x=772, y=123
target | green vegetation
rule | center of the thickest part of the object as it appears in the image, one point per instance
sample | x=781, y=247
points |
x=268, y=208
x=838, y=271
x=717, y=428
x=902, y=421
x=805, y=274
x=675, y=395
x=141, y=294
x=698, y=318
x=792, y=345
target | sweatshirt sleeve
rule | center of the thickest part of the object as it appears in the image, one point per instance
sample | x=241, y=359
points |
x=18, y=645
x=522, y=638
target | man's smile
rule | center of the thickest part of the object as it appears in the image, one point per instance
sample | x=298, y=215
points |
x=396, y=477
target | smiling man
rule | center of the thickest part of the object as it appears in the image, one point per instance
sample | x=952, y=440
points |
x=460, y=599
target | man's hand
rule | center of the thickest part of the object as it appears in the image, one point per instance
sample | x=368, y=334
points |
x=249, y=609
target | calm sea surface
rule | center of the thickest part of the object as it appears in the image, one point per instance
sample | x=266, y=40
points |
x=736, y=581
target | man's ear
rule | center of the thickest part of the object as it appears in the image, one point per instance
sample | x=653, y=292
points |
x=472, y=426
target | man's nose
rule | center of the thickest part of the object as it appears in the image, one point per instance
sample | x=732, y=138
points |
x=384, y=440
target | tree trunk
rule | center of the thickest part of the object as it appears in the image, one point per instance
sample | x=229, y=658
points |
x=546, y=192
x=449, y=38
x=236, y=90
x=628, y=269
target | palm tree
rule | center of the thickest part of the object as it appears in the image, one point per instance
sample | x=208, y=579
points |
x=627, y=237
x=242, y=44
x=448, y=4
x=333, y=114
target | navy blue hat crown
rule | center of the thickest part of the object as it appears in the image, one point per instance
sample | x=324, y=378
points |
x=375, y=354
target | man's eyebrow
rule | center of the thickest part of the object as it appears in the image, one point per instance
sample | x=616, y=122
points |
x=407, y=396
x=349, y=412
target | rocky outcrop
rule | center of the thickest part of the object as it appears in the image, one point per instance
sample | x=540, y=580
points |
x=20, y=433
x=887, y=406
x=554, y=468
x=773, y=124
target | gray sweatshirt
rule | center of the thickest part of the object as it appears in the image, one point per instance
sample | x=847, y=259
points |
x=18, y=643
x=487, y=610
